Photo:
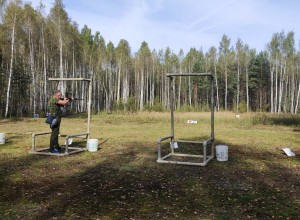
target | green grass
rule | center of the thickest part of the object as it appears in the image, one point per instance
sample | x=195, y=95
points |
x=123, y=181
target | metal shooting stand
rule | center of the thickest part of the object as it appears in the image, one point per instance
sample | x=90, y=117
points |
x=206, y=144
x=68, y=150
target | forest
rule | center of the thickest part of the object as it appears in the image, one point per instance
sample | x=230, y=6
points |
x=35, y=47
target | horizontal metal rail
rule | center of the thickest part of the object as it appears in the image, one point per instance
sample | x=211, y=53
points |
x=67, y=148
x=206, y=158
x=41, y=133
x=69, y=79
x=164, y=138
x=190, y=74
x=163, y=160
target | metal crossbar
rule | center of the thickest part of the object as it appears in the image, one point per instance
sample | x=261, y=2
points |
x=68, y=150
x=189, y=74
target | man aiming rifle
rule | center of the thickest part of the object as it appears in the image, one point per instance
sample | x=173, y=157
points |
x=54, y=105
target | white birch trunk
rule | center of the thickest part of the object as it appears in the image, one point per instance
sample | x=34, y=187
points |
x=147, y=87
x=62, y=87
x=44, y=68
x=276, y=86
x=11, y=66
x=285, y=93
x=119, y=83
x=226, y=88
x=110, y=91
x=179, y=92
x=297, y=99
x=152, y=83
x=125, y=86
x=272, y=89
x=281, y=80
x=142, y=91
x=31, y=54
x=292, y=93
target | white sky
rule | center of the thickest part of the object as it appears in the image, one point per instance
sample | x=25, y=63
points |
x=183, y=24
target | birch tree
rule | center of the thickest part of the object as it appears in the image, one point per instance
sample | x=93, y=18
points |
x=181, y=58
x=101, y=65
x=59, y=24
x=224, y=50
x=155, y=78
x=13, y=14
x=44, y=54
x=273, y=54
x=297, y=73
x=123, y=58
x=31, y=24
x=142, y=68
x=212, y=60
x=289, y=89
x=239, y=54
x=190, y=60
x=111, y=61
x=249, y=55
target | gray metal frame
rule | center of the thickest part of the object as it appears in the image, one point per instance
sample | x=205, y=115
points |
x=206, y=143
x=68, y=150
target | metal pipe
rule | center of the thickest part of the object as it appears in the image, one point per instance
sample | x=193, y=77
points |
x=172, y=105
x=164, y=138
x=212, y=109
x=212, y=115
x=189, y=74
x=204, y=151
x=159, y=145
x=89, y=108
x=33, y=142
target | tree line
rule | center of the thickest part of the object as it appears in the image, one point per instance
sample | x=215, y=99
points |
x=34, y=47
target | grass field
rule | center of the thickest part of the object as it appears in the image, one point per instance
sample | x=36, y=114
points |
x=123, y=181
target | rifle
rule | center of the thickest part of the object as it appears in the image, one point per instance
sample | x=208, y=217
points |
x=71, y=99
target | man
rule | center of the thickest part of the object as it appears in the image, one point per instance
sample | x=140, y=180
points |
x=54, y=105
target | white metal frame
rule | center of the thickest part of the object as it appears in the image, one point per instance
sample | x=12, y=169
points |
x=205, y=144
x=68, y=150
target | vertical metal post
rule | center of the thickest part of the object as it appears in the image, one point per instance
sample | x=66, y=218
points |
x=212, y=108
x=204, y=151
x=33, y=142
x=172, y=105
x=89, y=108
x=212, y=116
x=159, y=150
x=67, y=145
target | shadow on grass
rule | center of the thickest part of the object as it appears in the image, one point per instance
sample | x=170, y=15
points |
x=128, y=184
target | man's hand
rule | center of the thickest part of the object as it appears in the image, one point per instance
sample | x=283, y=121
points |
x=63, y=101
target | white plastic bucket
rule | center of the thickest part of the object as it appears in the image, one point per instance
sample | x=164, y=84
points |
x=93, y=145
x=222, y=152
x=2, y=138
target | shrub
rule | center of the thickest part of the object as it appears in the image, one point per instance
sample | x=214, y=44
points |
x=130, y=105
x=243, y=107
x=260, y=118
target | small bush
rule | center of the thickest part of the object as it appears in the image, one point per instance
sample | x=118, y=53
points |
x=131, y=105
x=243, y=107
x=260, y=118
x=187, y=108
x=119, y=106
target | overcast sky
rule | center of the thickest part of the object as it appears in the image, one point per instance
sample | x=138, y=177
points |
x=183, y=24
